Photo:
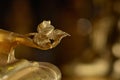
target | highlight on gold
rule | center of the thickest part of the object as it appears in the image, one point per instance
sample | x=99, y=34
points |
x=45, y=38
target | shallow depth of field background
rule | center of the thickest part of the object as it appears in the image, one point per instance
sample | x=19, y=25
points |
x=92, y=52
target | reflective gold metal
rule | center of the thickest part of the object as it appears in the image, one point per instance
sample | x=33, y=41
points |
x=45, y=38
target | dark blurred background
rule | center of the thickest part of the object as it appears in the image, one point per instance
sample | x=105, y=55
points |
x=92, y=52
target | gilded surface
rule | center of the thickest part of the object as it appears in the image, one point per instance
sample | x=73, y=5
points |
x=45, y=38
x=26, y=70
